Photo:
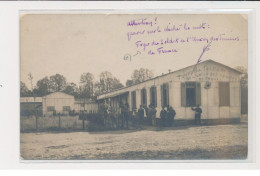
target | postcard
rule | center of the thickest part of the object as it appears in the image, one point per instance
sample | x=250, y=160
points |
x=108, y=86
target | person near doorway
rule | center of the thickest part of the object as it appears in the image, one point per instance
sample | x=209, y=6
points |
x=153, y=115
x=163, y=116
x=109, y=113
x=122, y=113
x=198, y=112
x=105, y=114
x=102, y=110
x=126, y=114
x=141, y=114
x=134, y=117
x=171, y=114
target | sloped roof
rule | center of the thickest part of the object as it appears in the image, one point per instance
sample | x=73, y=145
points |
x=209, y=60
x=58, y=92
x=30, y=99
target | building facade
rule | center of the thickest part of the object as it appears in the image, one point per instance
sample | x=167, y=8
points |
x=82, y=104
x=57, y=102
x=30, y=106
x=213, y=86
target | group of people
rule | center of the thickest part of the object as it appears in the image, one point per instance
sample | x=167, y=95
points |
x=145, y=112
x=167, y=115
x=142, y=115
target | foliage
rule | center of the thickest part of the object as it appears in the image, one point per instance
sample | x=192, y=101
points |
x=139, y=76
x=24, y=91
x=44, y=86
x=107, y=82
x=72, y=89
x=129, y=82
x=86, y=88
x=58, y=82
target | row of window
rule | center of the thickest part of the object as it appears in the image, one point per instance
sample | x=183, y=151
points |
x=52, y=108
x=190, y=95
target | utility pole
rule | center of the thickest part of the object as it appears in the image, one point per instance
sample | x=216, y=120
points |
x=30, y=77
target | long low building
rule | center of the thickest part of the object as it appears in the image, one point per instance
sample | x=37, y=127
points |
x=57, y=102
x=30, y=105
x=212, y=85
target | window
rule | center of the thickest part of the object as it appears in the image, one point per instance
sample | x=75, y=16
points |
x=224, y=94
x=50, y=108
x=143, y=97
x=133, y=99
x=153, y=96
x=66, y=108
x=190, y=94
x=165, y=95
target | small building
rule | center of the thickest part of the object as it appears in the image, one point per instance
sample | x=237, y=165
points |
x=57, y=102
x=30, y=106
x=86, y=104
x=212, y=85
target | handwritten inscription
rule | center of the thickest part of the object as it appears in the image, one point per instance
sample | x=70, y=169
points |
x=207, y=73
x=168, y=38
x=206, y=48
x=128, y=57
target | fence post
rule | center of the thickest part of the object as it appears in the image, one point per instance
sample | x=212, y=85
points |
x=36, y=121
x=59, y=122
x=83, y=121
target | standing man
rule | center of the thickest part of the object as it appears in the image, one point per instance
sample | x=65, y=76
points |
x=102, y=112
x=153, y=115
x=126, y=114
x=134, y=117
x=149, y=114
x=163, y=115
x=146, y=111
x=172, y=114
x=122, y=109
x=105, y=113
x=141, y=114
x=198, y=112
x=109, y=111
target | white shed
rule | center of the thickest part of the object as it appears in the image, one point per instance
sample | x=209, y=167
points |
x=57, y=102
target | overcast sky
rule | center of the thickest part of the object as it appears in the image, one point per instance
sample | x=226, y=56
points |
x=75, y=43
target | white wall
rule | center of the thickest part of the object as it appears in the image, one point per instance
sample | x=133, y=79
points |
x=58, y=100
x=206, y=71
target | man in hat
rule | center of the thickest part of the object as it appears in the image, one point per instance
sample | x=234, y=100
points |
x=163, y=115
x=198, y=112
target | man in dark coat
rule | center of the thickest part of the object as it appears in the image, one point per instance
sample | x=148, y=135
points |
x=102, y=111
x=126, y=114
x=171, y=115
x=153, y=115
x=122, y=113
x=141, y=114
x=163, y=115
x=198, y=112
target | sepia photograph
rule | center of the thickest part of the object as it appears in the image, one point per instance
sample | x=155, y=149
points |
x=128, y=86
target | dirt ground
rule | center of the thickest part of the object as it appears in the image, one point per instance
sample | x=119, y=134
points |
x=172, y=143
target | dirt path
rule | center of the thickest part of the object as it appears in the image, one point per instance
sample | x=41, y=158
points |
x=205, y=142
